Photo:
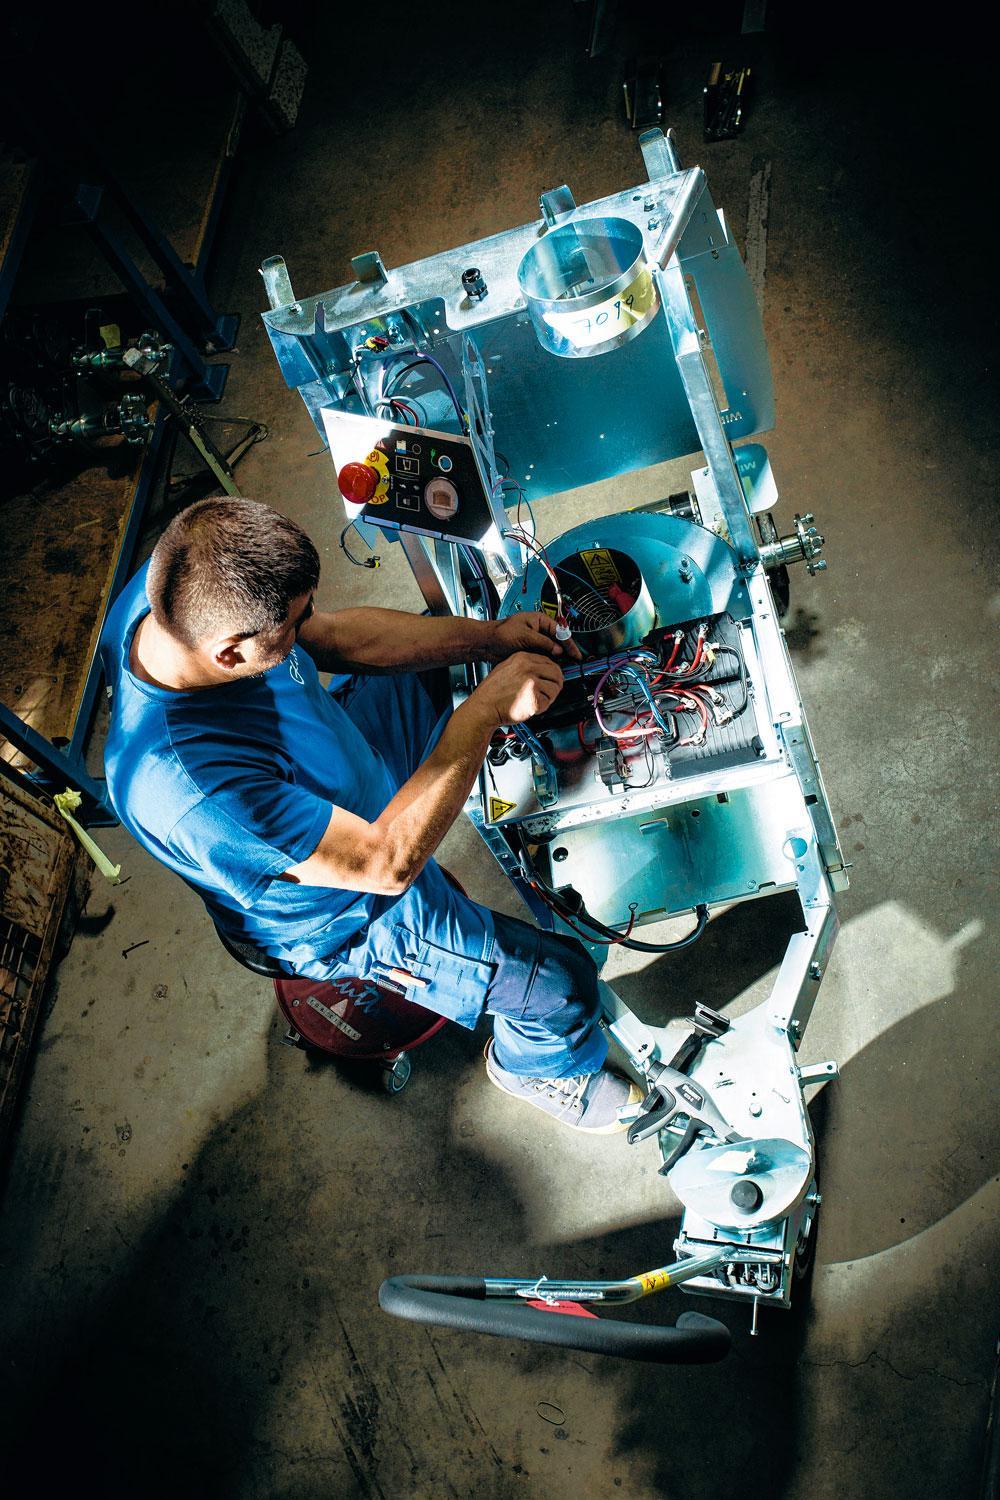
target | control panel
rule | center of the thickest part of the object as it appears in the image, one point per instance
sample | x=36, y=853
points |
x=409, y=478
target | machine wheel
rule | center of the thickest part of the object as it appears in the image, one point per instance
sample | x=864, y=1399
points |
x=396, y=1075
x=805, y=1247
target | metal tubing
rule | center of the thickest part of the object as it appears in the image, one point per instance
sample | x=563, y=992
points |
x=715, y=445
x=631, y=1289
x=209, y=381
x=59, y=766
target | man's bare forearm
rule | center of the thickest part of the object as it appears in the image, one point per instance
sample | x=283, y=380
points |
x=386, y=856
x=390, y=640
x=418, y=817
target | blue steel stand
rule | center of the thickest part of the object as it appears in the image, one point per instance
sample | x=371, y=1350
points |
x=57, y=769
x=197, y=324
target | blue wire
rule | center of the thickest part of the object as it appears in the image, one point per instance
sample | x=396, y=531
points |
x=644, y=688
x=613, y=659
x=537, y=749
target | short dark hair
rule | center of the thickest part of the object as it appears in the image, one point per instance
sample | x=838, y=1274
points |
x=228, y=566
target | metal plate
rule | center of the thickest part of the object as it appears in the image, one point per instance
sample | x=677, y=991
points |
x=703, y=1180
x=561, y=423
x=668, y=859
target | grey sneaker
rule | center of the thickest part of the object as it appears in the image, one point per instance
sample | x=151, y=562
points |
x=590, y=1101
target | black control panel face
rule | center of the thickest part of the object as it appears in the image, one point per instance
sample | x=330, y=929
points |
x=409, y=478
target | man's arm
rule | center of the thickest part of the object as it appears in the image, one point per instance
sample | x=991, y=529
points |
x=390, y=640
x=386, y=856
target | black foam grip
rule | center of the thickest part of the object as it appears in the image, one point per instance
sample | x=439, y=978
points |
x=696, y=1339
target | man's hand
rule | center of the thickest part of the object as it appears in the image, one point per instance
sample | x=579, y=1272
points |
x=531, y=630
x=520, y=687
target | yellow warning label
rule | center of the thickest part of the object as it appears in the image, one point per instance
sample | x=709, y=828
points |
x=601, y=566
x=498, y=808
x=654, y=1281
x=378, y=459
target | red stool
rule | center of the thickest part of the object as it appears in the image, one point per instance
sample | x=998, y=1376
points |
x=357, y=1019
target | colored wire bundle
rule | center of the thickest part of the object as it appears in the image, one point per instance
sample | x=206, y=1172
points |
x=678, y=688
x=415, y=361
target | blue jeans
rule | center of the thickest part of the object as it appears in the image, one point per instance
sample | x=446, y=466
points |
x=540, y=987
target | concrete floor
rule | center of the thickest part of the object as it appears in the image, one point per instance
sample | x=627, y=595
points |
x=196, y=1218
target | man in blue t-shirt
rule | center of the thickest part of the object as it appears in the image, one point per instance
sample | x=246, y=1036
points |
x=306, y=817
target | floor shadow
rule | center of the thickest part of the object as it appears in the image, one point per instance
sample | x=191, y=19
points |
x=738, y=947
x=239, y=1349
x=900, y=1161
x=707, y=1432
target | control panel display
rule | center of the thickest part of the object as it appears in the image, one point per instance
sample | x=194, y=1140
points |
x=409, y=478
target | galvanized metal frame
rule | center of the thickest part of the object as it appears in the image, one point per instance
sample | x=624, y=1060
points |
x=713, y=386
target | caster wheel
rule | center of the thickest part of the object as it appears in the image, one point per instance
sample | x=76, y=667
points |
x=395, y=1075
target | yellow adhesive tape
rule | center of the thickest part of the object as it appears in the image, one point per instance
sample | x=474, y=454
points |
x=585, y=327
x=66, y=804
x=653, y=1281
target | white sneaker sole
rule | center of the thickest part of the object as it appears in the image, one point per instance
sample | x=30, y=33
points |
x=634, y=1097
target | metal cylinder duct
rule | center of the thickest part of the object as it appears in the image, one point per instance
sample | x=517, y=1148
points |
x=605, y=597
x=587, y=287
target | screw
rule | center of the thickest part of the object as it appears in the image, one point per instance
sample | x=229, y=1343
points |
x=815, y=971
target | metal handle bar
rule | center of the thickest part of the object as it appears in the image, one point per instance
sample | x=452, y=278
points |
x=468, y=1303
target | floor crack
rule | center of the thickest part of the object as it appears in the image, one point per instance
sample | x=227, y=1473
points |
x=875, y=1357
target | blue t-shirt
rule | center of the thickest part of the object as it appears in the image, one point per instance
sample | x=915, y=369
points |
x=231, y=785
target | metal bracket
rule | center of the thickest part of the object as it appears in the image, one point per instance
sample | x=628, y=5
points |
x=369, y=268
x=824, y=1072
x=659, y=152
x=558, y=203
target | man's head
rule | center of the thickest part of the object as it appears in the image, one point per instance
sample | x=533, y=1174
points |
x=231, y=580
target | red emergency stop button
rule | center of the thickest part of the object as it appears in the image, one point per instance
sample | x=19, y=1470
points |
x=357, y=482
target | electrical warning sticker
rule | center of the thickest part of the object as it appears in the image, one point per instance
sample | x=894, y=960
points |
x=600, y=564
x=499, y=808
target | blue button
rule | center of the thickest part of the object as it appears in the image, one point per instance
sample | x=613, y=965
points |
x=445, y=464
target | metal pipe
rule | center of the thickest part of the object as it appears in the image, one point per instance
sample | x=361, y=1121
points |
x=617, y=1292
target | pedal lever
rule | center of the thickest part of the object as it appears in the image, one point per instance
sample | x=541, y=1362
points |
x=709, y=1021
x=694, y=1129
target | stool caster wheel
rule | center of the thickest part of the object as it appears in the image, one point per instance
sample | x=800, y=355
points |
x=395, y=1075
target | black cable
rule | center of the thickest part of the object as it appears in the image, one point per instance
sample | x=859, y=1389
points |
x=359, y=562
x=606, y=934
x=584, y=916
x=487, y=590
